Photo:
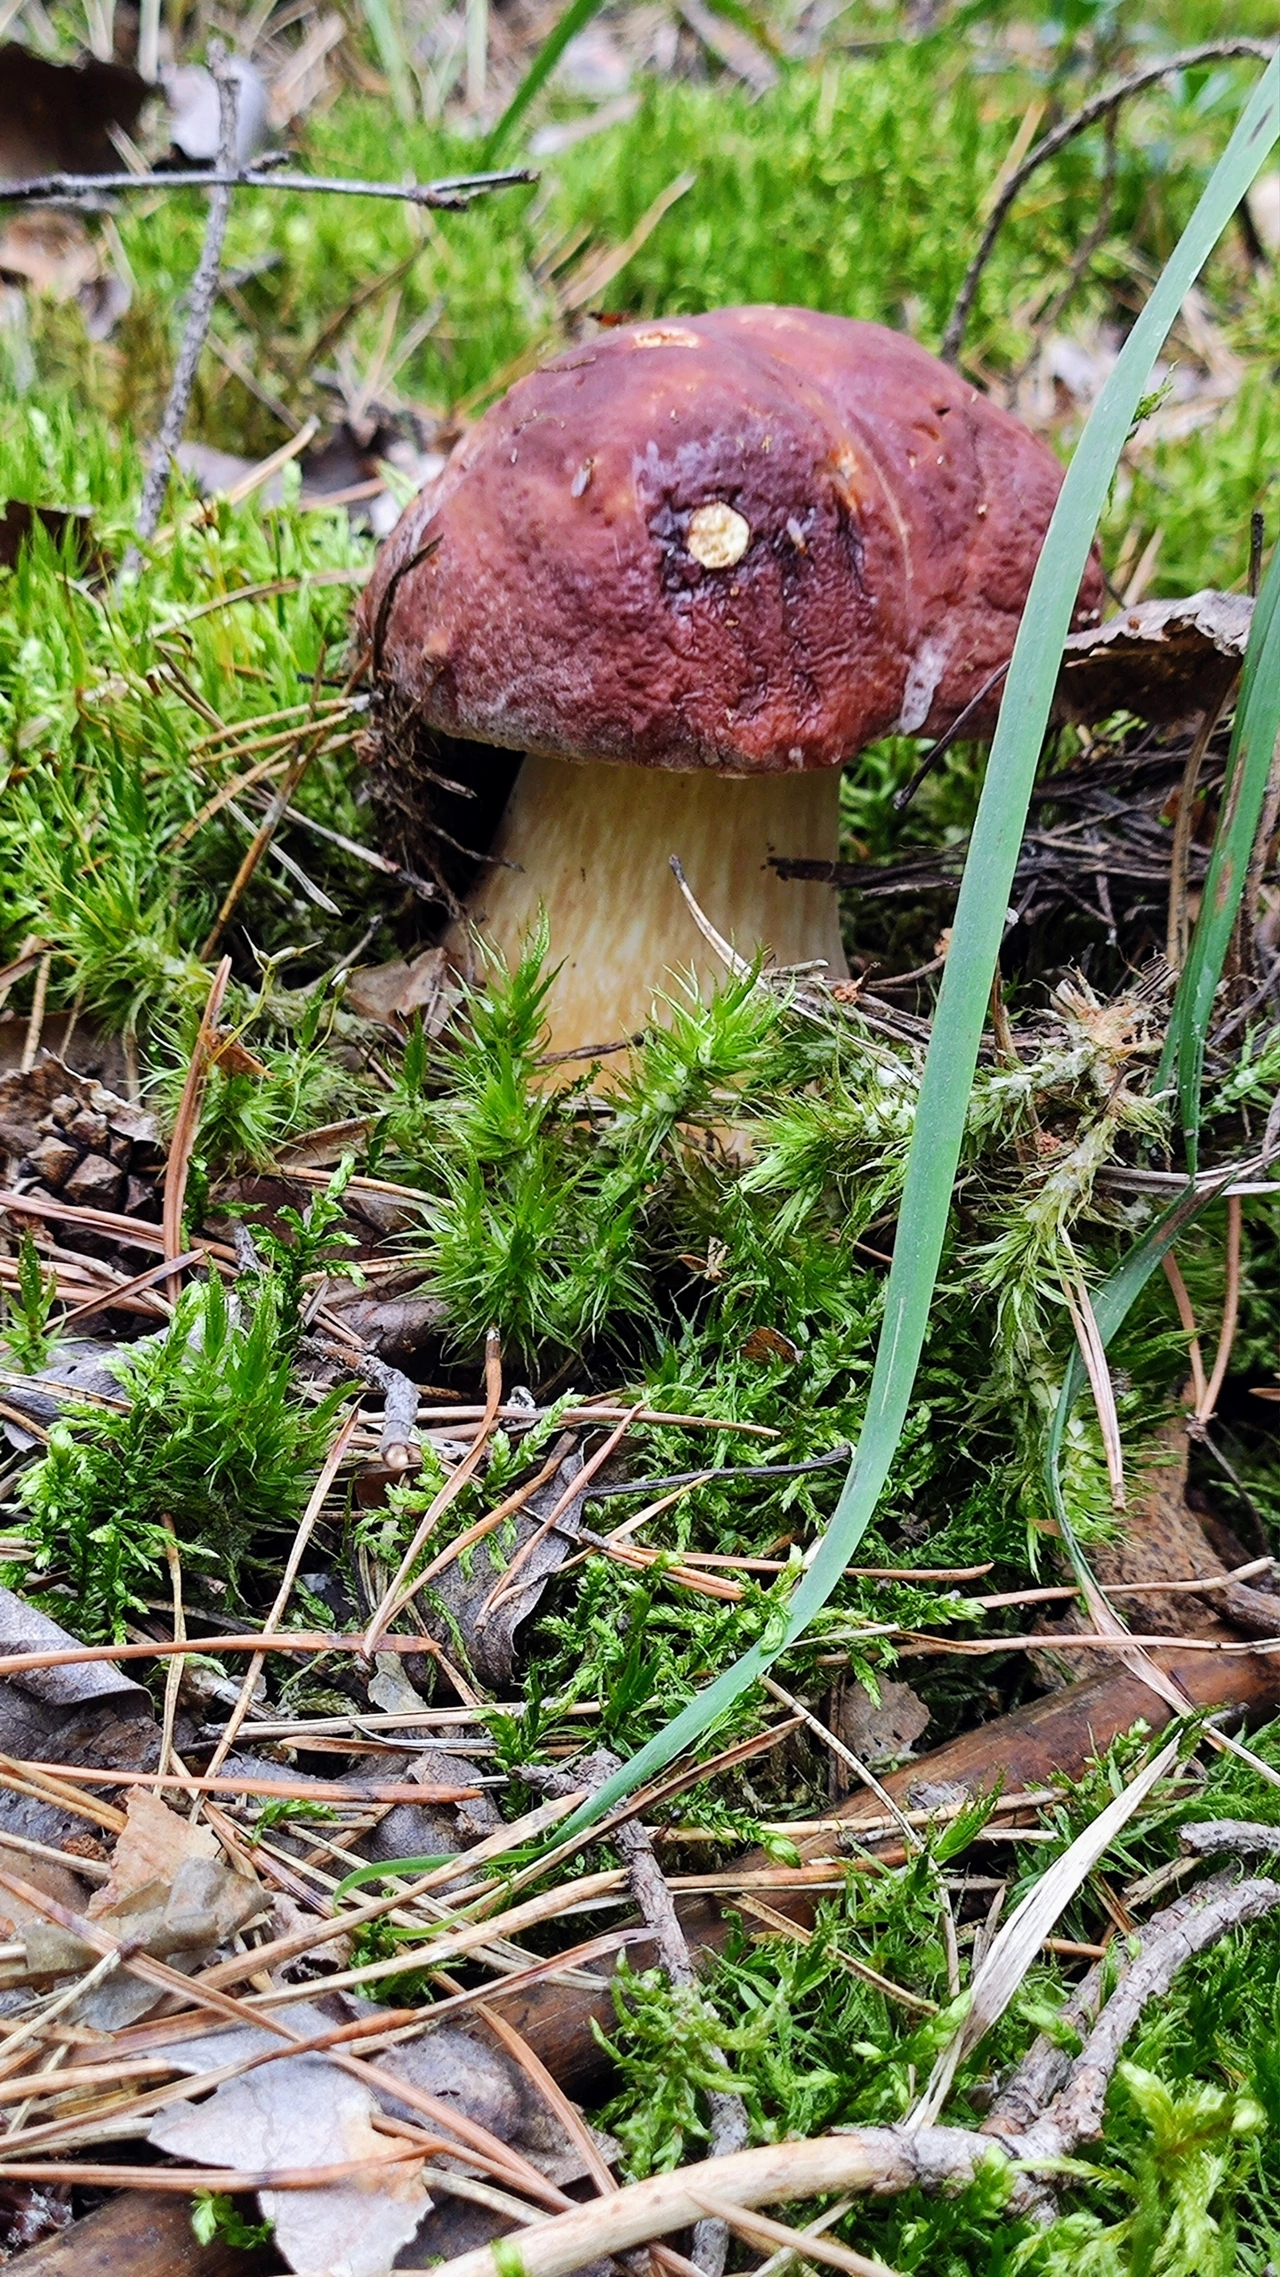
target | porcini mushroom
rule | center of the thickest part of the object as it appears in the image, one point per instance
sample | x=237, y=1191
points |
x=689, y=570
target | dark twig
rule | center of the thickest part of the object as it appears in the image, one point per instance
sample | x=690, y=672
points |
x=728, y=2114
x=453, y=193
x=936, y=751
x=398, y=1447
x=743, y=1471
x=1101, y=105
x=200, y=300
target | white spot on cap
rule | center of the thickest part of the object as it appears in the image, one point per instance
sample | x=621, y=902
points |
x=582, y=478
x=718, y=535
x=666, y=336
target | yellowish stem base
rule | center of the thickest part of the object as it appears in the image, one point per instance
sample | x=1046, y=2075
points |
x=594, y=844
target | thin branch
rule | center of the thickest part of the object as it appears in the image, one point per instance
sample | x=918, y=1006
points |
x=187, y=1123
x=1176, y=926
x=306, y=1525
x=1109, y=99
x=454, y=192
x=727, y=2111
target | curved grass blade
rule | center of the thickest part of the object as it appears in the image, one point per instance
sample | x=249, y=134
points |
x=1111, y=1306
x=975, y=944
x=576, y=17
x=1249, y=761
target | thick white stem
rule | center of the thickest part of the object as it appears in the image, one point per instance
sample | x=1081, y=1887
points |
x=594, y=844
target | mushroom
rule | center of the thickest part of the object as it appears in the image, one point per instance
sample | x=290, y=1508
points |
x=689, y=570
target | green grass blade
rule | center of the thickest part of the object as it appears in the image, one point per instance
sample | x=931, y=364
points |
x=975, y=944
x=576, y=17
x=383, y=19
x=1253, y=742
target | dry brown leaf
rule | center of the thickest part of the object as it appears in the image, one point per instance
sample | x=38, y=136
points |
x=154, y=1843
x=884, y=1731
x=304, y=2112
x=389, y=993
x=1156, y=659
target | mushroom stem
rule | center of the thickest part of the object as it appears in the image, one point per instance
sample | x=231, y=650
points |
x=594, y=845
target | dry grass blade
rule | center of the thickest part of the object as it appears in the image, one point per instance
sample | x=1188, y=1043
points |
x=1018, y=1943
x=306, y=1526
x=396, y=1595
x=506, y=1586
x=187, y=1121
x=1093, y=1353
x=290, y=1790
x=1208, y=1400
x=191, y=2179
x=1187, y=1318
x=494, y=1518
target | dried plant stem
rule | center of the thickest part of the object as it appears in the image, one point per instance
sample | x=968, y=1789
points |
x=396, y=1595
x=1195, y=1358
x=889, y=2160
x=453, y=193
x=492, y=1519
x=1093, y=1353
x=1176, y=929
x=173, y=1677
x=727, y=2111
x=1100, y=107
x=757, y=2228
x=506, y=1586
x=200, y=299
x=187, y=1122
x=1230, y=1315
x=260, y=841
x=306, y=1526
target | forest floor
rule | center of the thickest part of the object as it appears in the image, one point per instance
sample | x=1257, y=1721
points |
x=324, y=1309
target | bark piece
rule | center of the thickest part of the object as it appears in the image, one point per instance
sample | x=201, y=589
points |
x=140, y=2233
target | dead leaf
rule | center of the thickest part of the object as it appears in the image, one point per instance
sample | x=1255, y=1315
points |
x=882, y=1733
x=452, y=1606
x=80, y=1684
x=304, y=2112
x=42, y=1873
x=388, y=993
x=1161, y=659
x=151, y=1847
x=49, y=250
x=769, y=1344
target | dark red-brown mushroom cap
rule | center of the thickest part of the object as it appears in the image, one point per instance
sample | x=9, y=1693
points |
x=754, y=540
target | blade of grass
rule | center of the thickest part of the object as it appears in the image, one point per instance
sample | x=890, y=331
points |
x=576, y=17
x=975, y=943
x=1253, y=743
x=384, y=21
